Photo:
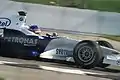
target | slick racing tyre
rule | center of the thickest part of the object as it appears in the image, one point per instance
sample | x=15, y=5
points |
x=106, y=44
x=87, y=54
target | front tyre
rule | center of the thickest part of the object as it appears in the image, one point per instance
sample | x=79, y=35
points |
x=87, y=54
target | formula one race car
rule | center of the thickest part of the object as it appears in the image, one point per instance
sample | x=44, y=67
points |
x=17, y=40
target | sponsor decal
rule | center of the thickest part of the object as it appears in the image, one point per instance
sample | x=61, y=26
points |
x=5, y=22
x=62, y=52
x=21, y=40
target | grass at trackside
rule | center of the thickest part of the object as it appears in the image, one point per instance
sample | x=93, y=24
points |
x=111, y=37
x=116, y=38
x=2, y=78
x=103, y=5
x=114, y=67
x=35, y=1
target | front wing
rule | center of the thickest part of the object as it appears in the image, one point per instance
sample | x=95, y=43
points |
x=111, y=56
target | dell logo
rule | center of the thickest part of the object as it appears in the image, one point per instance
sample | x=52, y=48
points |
x=5, y=22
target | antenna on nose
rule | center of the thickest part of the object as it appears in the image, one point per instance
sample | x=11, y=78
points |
x=22, y=13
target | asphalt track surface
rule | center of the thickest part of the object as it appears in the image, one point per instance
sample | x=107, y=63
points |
x=34, y=65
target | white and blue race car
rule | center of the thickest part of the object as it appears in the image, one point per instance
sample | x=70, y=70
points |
x=18, y=41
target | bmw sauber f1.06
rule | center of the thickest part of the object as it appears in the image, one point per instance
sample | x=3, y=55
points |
x=18, y=41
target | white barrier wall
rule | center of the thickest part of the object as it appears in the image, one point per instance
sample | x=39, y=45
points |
x=76, y=20
x=109, y=23
x=66, y=18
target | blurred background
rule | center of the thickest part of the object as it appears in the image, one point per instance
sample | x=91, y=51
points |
x=74, y=16
x=103, y=5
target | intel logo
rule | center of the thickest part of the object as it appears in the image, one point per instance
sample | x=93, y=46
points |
x=5, y=22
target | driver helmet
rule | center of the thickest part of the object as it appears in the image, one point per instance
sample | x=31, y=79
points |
x=35, y=29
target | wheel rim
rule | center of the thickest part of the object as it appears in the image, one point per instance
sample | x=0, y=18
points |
x=85, y=54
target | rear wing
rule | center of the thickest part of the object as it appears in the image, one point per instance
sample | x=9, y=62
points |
x=16, y=22
x=13, y=21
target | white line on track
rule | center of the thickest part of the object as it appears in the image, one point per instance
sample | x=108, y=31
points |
x=63, y=70
x=7, y=62
x=73, y=71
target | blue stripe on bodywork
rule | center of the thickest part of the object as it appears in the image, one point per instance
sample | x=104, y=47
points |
x=20, y=49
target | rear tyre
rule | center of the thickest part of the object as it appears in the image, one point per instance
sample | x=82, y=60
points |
x=87, y=54
x=106, y=44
